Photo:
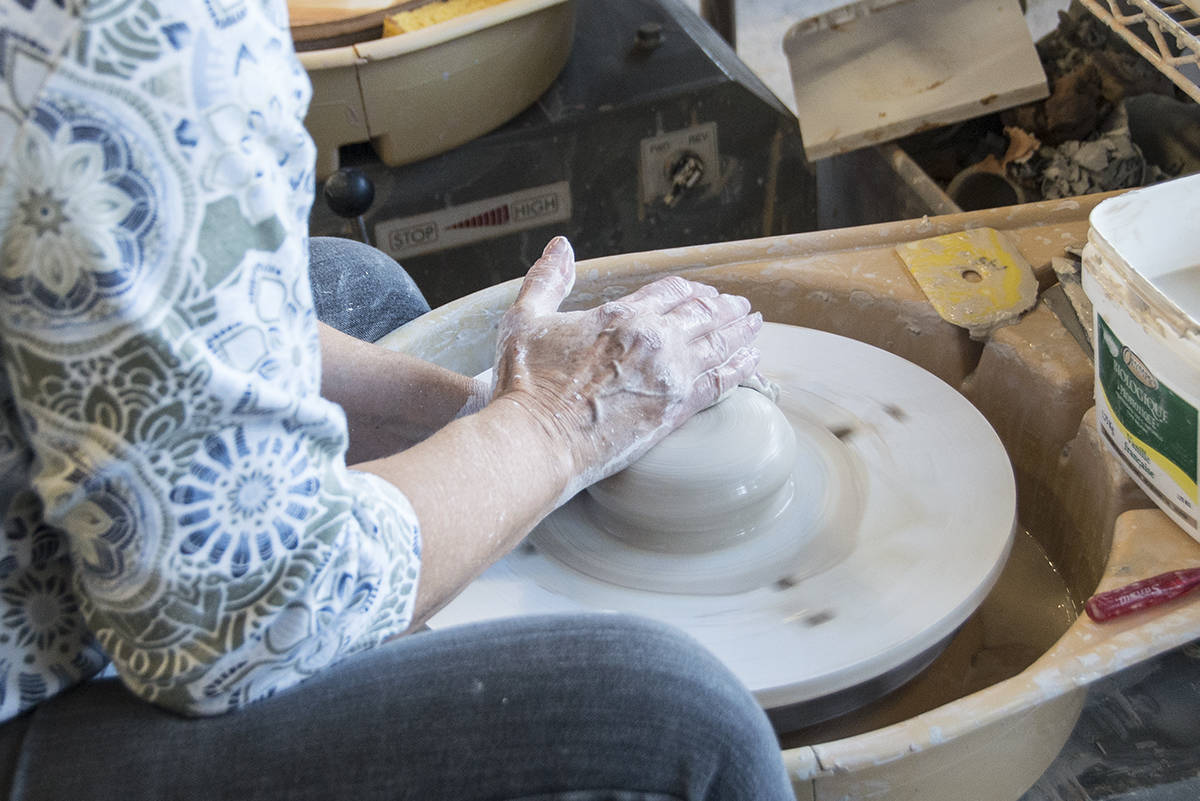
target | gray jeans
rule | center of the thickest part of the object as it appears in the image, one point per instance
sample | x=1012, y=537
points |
x=563, y=708
x=359, y=290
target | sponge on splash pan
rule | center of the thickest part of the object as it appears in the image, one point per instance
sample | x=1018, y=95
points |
x=432, y=14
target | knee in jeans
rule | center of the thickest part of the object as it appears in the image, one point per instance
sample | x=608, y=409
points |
x=717, y=722
x=360, y=290
x=680, y=672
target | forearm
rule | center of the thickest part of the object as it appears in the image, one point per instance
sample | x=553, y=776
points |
x=392, y=400
x=477, y=487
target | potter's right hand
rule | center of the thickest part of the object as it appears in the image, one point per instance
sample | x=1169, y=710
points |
x=610, y=382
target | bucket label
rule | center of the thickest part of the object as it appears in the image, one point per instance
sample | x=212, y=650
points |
x=1151, y=427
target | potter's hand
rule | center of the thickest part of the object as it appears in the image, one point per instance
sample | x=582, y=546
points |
x=612, y=381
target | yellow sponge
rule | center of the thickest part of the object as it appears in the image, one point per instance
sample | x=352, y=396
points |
x=432, y=14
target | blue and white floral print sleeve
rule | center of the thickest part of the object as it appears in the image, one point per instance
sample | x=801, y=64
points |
x=173, y=486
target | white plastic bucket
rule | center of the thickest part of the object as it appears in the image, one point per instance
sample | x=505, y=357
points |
x=1141, y=270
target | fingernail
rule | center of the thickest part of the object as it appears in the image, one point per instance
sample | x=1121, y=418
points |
x=558, y=246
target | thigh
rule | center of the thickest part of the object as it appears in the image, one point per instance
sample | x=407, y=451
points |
x=359, y=290
x=565, y=707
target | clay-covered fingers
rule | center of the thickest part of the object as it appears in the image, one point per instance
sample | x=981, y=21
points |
x=726, y=356
x=699, y=315
x=718, y=342
x=715, y=383
x=665, y=294
x=548, y=281
x=690, y=308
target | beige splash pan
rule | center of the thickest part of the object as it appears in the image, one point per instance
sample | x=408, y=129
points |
x=1034, y=382
x=422, y=93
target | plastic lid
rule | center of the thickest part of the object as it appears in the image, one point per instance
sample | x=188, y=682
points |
x=1155, y=232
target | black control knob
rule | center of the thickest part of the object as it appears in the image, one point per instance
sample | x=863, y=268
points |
x=649, y=36
x=349, y=193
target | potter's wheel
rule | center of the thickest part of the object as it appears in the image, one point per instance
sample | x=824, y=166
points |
x=864, y=541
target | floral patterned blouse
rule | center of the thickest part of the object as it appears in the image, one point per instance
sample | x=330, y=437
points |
x=174, y=491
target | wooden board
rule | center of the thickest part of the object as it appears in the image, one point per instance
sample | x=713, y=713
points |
x=761, y=26
x=908, y=67
x=330, y=19
x=322, y=12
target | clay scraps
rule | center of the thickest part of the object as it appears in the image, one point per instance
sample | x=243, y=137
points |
x=1108, y=159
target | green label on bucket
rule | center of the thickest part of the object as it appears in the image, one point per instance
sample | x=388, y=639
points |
x=1161, y=424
